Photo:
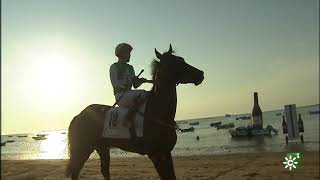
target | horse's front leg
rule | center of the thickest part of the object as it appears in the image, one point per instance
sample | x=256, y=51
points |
x=164, y=165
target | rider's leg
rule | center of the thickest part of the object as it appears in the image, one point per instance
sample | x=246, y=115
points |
x=132, y=100
x=130, y=120
x=129, y=100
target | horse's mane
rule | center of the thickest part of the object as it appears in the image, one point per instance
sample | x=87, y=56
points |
x=154, y=66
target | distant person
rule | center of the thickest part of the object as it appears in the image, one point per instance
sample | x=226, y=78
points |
x=198, y=138
x=122, y=76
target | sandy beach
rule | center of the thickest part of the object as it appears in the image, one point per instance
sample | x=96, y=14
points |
x=267, y=165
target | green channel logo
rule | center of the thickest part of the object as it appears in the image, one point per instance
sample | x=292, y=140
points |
x=292, y=160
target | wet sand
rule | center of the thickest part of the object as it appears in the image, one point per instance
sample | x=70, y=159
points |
x=231, y=166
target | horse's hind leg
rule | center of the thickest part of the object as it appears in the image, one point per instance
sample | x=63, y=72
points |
x=104, y=153
x=77, y=161
x=164, y=165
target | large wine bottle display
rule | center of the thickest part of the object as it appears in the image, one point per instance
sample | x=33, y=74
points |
x=257, y=121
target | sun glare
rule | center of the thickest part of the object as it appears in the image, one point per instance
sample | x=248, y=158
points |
x=50, y=75
x=54, y=147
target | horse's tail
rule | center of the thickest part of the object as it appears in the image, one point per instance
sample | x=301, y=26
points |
x=71, y=145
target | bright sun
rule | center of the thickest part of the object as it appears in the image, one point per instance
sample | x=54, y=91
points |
x=50, y=75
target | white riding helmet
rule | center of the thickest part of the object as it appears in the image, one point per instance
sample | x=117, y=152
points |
x=123, y=47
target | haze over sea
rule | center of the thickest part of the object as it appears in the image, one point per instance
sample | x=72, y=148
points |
x=212, y=141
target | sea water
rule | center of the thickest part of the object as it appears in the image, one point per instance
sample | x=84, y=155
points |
x=211, y=140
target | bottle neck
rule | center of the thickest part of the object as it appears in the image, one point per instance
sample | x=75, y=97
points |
x=256, y=101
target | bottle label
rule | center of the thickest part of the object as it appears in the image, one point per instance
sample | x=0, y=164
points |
x=257, y=121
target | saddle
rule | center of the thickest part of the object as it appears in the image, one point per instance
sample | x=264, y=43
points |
x=118, y=126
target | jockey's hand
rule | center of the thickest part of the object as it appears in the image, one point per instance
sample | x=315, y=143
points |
x=137, y=82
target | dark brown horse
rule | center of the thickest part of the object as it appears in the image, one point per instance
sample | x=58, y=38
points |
x=159, y=135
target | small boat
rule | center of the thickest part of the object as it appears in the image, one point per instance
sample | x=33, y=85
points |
x=228, y=115
x=278, y=114
x=248, y=131
x=63, y=133
x=3, y=143
x=243, y=117
x=314, y=112
x=39, y=137
x=215, y=124
x=225, y=126
x=191, y=129
x=10, y=141
x=9, y=136
x=21, y=136
x=194, y=123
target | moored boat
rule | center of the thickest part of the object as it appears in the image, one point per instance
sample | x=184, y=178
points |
x=39, y=137
x=314, y=112
x=194, y=123
x=215, y=124
x=247, y=131
x=191, y=129
x=225, y=126
x=20, y=136
x=243, y=117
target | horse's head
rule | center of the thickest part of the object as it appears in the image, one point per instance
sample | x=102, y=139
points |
x=175, y=69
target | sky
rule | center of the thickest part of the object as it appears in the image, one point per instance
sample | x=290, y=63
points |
x=55, y=55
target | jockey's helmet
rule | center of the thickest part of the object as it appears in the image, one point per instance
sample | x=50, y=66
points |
x=123, y=48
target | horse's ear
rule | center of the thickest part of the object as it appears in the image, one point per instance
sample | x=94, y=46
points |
x=170, y=49
x=157, y=53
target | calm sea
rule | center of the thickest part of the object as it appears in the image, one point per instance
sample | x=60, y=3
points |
x=212, y=141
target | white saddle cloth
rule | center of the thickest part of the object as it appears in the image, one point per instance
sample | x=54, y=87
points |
x=115, y=118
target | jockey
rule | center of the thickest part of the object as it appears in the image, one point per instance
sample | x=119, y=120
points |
x=123, y=77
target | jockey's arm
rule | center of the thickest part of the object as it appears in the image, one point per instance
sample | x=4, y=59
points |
x=138, y=81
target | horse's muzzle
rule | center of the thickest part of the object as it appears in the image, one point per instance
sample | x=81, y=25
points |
x=200, y=79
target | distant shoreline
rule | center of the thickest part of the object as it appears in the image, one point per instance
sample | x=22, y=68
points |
x=240, y=113
x=182, y=120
